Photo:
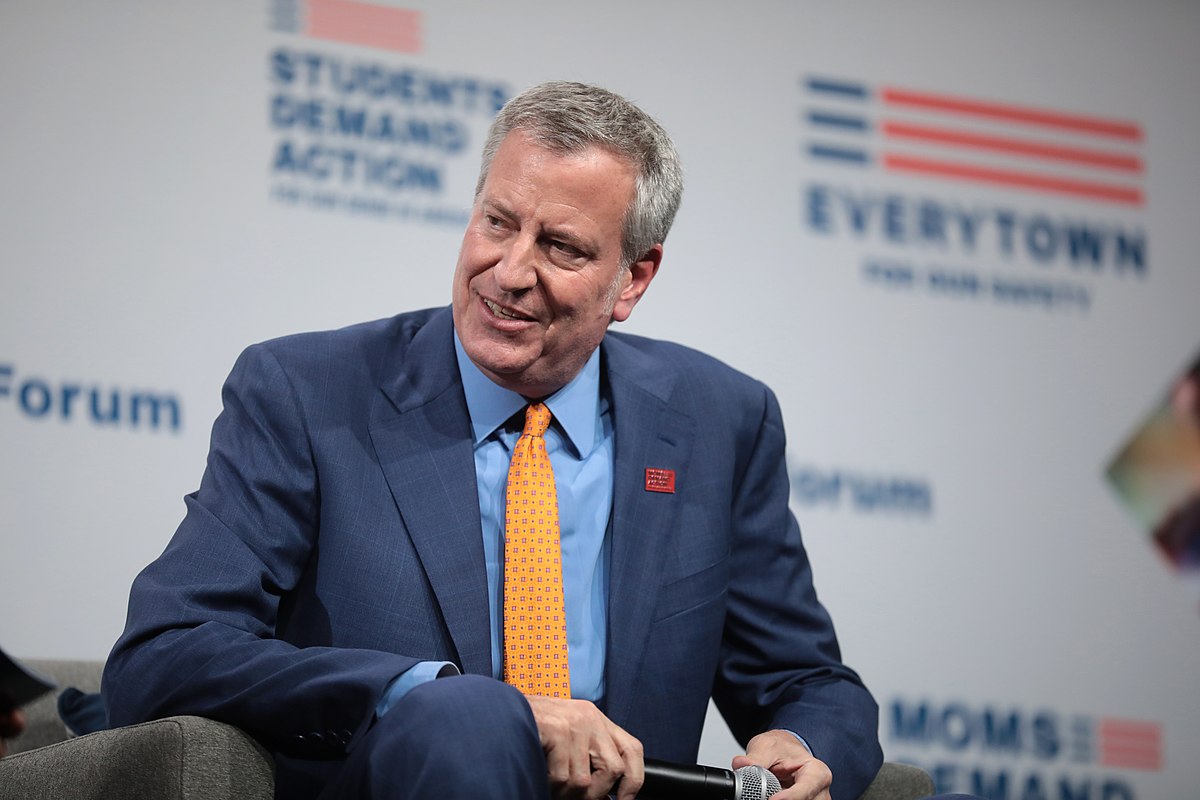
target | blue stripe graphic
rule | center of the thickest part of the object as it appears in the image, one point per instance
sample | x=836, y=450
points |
x=842, y=154
x=840, y=121
x=844, y=89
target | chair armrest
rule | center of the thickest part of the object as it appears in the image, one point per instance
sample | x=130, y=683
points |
x=180, y=758
x=899, y=782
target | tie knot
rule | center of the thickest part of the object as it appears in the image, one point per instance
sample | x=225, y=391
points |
x=537, y=419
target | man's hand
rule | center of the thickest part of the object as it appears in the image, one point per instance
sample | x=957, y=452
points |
x=586, y=754
x=802, y=776
x=12, y=722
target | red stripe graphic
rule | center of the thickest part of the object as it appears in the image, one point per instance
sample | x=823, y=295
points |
x=366, y=24
x=1131, y=743
x=932, y=135
x=895, y=162
x=1032, y=116
x=1025, y=147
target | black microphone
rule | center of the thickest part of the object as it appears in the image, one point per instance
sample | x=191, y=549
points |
x=666, y=781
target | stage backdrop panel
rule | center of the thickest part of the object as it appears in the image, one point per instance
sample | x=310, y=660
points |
x=957, y=239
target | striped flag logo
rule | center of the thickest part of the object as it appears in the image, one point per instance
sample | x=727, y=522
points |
x=1130, y=743
x=984, y=142
x=350, y=22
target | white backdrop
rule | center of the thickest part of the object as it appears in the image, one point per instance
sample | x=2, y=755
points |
x=952, y=401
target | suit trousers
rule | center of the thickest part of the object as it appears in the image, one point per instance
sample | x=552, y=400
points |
x=460, y=737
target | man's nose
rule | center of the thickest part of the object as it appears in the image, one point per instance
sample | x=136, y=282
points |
x=517, y=269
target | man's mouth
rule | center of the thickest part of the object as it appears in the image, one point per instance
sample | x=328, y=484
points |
x=504, y=313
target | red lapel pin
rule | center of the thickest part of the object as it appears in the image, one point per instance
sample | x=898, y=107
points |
x=660, y=480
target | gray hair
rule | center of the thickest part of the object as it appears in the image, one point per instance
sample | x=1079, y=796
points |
x=567, y=117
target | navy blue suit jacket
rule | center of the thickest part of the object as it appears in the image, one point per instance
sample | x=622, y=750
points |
x=335, y=541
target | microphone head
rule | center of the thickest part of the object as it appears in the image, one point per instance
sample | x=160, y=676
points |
x=755, y=783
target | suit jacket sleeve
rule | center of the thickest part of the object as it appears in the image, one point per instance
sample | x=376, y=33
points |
x=780, y=665
x=202, y=632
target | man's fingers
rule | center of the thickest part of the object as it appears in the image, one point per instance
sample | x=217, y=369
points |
x=586, y=754
x=579, y=782
x=554, y=729
x=605, y=767
x=742, y=761
x=803, y=776
x=808, y=781
x=558, y=765
x=633, y=765
x=617, y=757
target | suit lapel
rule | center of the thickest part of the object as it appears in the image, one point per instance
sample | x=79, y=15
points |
x=422, y=438
x=649, y=434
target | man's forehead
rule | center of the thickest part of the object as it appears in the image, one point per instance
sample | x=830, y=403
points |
x=525, y=172
x=555, y=146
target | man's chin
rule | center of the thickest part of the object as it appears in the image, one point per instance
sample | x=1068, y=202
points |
x=527, y=382
x=506, y=368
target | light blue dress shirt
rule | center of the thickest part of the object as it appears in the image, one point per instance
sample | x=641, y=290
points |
x=580, y=445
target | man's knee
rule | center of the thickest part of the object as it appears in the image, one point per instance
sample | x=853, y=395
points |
x=467, y=710
x=464, y=736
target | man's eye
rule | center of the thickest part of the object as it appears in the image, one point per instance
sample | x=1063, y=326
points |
x=566, y=249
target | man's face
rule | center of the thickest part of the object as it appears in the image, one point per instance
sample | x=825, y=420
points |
x=539, y=275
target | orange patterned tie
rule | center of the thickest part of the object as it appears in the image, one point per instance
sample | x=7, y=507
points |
x=535, y=626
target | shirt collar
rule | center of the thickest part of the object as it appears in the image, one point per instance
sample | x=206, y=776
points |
x=575, y=406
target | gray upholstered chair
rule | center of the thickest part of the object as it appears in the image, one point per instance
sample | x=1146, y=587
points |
x=190, y=758
x=899, y=782
x=181, y=758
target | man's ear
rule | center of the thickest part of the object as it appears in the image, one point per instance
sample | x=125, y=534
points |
x=640, y=273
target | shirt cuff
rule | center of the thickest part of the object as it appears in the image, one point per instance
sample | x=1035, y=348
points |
x=406, y=681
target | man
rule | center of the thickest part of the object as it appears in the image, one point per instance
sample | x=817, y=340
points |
x=345, y=556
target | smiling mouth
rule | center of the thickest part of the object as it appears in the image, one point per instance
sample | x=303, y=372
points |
x=504, y=313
